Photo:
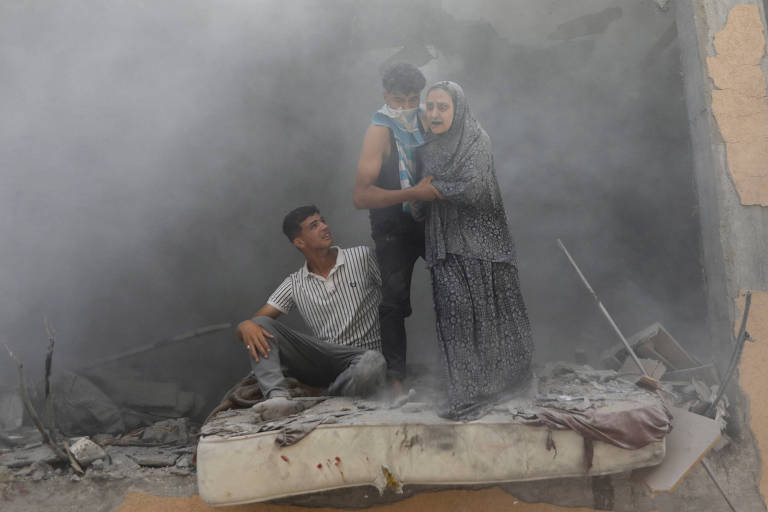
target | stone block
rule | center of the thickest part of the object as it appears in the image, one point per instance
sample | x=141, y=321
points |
x=86, y=451
x=167, y=431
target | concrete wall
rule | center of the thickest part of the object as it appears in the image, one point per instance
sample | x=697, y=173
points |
x=724, y=65
x=723, y=46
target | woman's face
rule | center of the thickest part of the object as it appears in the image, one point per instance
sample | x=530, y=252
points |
x=439, y=111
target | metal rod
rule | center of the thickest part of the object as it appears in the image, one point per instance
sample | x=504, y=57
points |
x=735, y=357
x=201, y=331
x=603, y=310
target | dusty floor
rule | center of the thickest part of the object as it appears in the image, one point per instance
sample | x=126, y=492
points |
x=488, y=500
x=157, y=490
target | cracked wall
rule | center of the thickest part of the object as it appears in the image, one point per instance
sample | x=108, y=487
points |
x=739, y=101
x=725, y=74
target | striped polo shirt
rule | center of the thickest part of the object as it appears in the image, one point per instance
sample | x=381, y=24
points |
x=342, y=308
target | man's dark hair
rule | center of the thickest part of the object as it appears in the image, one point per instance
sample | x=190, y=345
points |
x=292, y=221
x=402, y=77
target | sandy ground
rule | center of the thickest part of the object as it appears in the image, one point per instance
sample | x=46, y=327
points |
x=753, y=377
x=487, y=500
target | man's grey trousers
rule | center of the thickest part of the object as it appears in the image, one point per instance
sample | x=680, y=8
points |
x=348, y=371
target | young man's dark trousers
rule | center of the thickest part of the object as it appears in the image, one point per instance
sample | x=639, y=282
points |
x=396, y=254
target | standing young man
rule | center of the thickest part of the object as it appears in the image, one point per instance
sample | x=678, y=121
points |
x=388, y=185
x=337, y=292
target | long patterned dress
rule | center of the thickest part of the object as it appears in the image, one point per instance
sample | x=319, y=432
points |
x=482, y=324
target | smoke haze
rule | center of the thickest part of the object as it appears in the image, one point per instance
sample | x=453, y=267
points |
x=149, y=151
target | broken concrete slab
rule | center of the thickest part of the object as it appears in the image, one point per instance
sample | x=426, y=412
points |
x=135, y=393
x=82, y=408
x=186, y=461
x=142, y=396
x=119, y=461
x=150, y=456
x=86, y=451
x=654, y=342
x=692, y=437
x=28, y=456
x=167, y=432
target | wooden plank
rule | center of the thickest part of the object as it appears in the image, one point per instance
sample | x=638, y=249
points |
x=692, y=437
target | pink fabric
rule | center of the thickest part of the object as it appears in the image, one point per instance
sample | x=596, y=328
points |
x=630, y=429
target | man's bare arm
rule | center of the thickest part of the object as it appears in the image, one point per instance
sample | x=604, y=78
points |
x=254, y=336
x=367, y=195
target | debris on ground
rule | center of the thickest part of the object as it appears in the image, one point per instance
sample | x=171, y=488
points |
x=168, y=445
x=86, y=451
x=81, y=407
x=576, y=390
x=149, y=398
x=692, y=437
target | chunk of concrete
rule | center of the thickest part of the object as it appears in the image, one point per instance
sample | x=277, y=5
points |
x=86, y=451
x=28, y=456
x=692, y=437
x=167, y=432
x=162, y=398
x=654, y=342
x=82, y=408
x=152, y=457
x=120, y=464
x=41, y=471
x=185, y=461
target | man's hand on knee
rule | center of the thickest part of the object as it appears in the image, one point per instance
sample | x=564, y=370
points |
x=255, y=338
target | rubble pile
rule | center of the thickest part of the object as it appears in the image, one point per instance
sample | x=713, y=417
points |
x=686, y=382
x=167, y=445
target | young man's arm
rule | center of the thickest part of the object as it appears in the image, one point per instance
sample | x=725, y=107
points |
x=367, y=195
x=254, y=336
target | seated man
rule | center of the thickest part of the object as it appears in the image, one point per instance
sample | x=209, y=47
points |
x=337, y=292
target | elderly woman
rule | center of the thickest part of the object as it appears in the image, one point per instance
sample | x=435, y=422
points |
x=482, y=325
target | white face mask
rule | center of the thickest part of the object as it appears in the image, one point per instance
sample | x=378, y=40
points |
x=406, y=116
